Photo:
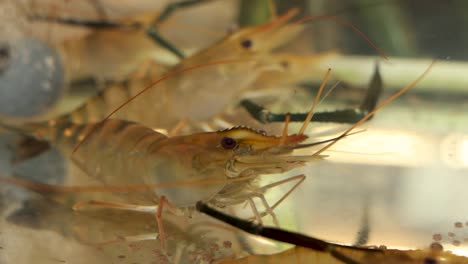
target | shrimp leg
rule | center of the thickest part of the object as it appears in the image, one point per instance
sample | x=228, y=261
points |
x=157, y=210
x=269, y=209
x=259, y=193
x=154, y=209
x=340, y=116
x=300, y=178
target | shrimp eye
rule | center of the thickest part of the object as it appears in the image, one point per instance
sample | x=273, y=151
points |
x=228, y=143
x=247, y=43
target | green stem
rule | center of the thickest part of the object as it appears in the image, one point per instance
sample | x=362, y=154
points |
x=254, y=12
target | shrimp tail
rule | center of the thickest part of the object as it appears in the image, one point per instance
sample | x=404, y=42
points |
x=28, y=145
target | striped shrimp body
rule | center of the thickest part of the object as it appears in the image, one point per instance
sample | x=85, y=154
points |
x=126, y=153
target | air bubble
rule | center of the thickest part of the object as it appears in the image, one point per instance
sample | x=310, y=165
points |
x=436, y=247
x=437, y=237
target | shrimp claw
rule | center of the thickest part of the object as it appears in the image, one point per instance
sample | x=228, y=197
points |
x=282, y=235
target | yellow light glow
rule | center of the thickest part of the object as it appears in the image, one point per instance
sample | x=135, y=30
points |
x=454, y=150
x=464, y=151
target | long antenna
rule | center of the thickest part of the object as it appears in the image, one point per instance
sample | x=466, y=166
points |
x=385, y=103
x=316, y=101
x=348, y=24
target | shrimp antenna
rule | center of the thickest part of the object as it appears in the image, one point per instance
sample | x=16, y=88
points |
x=382, y=105
x=348, y=24
x=277, y=21
x=285, y=129
x=316, y=101
x=272, y=8
x=163, y=78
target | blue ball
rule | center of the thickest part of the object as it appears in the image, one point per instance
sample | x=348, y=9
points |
x=31, y=78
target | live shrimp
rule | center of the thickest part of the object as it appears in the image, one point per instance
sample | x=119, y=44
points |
x=182, y=97
x=168, y=103
x=120, y=149
x=232, y=153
